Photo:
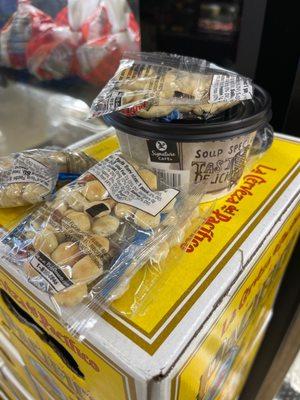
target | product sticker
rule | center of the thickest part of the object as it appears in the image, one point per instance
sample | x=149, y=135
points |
x=230, y=88
x=27, y=170
x=174, y=178
x=126, y=186
x=217, y=164
x=115, y=101
x=50, y=272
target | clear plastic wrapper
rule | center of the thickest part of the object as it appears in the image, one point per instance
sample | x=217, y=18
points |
x=45, y=118
x=24, y=24
x=263, y=140
x=111, y=17
x=108, y=29
x=153, y=85
x=26, y=178
x=68, y=131
x=30, y=177
x=96, y=233
x=70, y=162
x=154, y=273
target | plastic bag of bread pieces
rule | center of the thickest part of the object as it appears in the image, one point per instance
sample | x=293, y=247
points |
x=30, y=177
x=153, y=85
x=84, y=246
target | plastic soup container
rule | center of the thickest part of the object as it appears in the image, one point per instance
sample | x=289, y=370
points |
x=186, y=153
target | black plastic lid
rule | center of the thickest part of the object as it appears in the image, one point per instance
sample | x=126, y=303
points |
x=245, y=117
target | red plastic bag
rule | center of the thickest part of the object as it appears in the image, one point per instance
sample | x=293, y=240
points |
x=24, y=24
x=97, y=25
x=62, y=18
x=97, y=60
x=51, y=55
x=133, y=30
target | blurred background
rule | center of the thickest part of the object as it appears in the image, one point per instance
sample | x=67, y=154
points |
x=257, y=38
x=55, y=56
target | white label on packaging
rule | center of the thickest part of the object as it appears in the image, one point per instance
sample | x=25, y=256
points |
x=217, y=165
x=230, y=88
x=126, y=186
x=50, y=272
x=27, y=170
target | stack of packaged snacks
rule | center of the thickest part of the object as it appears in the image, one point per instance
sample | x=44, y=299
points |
x=88, y=241
x=192, y=121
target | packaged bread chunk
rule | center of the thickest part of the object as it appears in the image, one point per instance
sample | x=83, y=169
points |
x=88, y=241
x=30, y=177
x=152, y=85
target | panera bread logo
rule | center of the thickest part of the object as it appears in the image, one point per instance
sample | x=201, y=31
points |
x=229, y=210
x=45, y=323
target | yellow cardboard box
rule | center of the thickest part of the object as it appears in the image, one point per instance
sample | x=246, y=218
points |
x=45, y=395
x=10, y=386
x=208, y=310
x=219, y=365
x=45, y=373
x=15, y=363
